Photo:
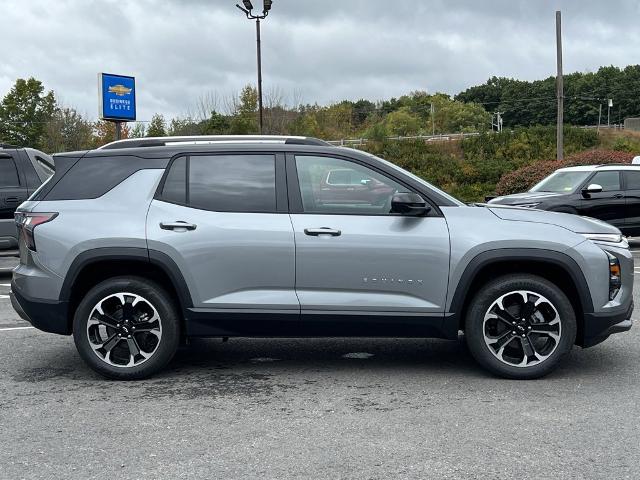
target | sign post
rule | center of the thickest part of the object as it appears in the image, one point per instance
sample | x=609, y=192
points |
x=117, y=97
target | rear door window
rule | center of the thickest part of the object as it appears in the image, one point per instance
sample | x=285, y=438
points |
x=223, y=183
x=633, y=180
x=8, y=173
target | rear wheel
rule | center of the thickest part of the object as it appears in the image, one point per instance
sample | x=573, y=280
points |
x=126, y=328
x=520, y=326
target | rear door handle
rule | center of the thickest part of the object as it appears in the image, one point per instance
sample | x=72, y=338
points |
x=12, y=200
x=179, y=224
x=314, y=232
x=618, y=195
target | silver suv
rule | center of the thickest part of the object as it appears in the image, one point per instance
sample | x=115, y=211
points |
x=141, y=244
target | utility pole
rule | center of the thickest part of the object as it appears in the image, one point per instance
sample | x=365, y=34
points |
x=560, y=89
x=248, y=11
x=498, y=123
x=599, y=116
x=433, y=121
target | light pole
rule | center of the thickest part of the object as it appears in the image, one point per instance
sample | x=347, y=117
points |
x=248, y=11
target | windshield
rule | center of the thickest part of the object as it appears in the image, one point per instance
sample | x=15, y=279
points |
x=561, y=182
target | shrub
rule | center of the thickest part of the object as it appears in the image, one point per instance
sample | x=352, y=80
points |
x=524, y=178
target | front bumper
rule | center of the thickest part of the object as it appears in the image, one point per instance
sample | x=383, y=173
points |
x=46, y=315
x=598, y=326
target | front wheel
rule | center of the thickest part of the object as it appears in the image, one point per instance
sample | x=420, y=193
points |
x=126, y=328
x=520, y=326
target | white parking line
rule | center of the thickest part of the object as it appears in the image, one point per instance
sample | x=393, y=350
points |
x=5, y=284
x=4, y=296
x=14, y=328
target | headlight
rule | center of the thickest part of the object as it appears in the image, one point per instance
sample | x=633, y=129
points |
x=614, y=275
x=528, y=205
x=604, y=237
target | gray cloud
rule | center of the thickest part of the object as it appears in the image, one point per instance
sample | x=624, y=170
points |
x=323, y=50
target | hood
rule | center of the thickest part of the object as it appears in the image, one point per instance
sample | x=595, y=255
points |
x=575, y=223
x=526, y=197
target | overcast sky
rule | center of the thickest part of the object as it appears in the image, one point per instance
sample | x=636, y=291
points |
x=315, y=51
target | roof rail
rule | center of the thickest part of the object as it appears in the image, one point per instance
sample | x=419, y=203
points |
x=211, y=139
x=614, y=165
x=6, y=145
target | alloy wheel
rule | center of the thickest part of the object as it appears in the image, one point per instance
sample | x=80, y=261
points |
x=124, y=329
x=522, y=328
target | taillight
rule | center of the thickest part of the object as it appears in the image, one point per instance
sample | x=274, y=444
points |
x=27, y=222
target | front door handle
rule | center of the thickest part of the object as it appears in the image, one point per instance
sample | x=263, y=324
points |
x=314, y=232
x=177, y=225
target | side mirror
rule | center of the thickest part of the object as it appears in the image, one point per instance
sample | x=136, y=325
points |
x=593, y=188
x=409, y=204
x=366, y=182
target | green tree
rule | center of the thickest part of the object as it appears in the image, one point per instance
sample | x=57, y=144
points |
x=184, y=126
x=157, y=127
x=402, y=122
x=24, y=113
x=216, y=124
x=67, y=130
x=138, y=130
x=244, y=119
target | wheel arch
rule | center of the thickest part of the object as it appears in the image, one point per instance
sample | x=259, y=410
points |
x=93, y=266
x=556, y=267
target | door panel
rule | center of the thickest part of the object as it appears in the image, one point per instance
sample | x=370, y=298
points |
x=386, y=264
x=230, y=260
x=12, y=191
x=632, y=202
x=608, y=205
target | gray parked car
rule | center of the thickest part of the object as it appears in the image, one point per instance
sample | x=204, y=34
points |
x=22, y=171
x=136, y=246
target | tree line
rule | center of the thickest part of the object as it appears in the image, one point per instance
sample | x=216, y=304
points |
x=31, y=116
x=526, y=103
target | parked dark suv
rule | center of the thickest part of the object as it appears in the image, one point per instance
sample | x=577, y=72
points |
x=606, y=192
x=22, y=171
x=142, y=243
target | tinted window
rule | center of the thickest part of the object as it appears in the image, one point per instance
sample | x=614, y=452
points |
x=336, y=186
x=8, y=173
x=92, y=177
x=233, y=183
x=633, y=180
x=607, y=180
x=175, y=185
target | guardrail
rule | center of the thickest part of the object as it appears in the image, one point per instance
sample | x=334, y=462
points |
x=445, y=137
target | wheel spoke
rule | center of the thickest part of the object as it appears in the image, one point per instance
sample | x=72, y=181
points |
x=112, y=342
x=134, y=349
x=501, y=341
x=527, y=347
x=527, y=309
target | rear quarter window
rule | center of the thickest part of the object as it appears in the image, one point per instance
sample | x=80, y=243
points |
x=92, y=177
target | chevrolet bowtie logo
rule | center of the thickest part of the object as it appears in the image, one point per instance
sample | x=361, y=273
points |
x=120, y=90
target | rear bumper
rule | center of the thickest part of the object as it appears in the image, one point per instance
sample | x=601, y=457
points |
x=48, y=316
x=598, y=326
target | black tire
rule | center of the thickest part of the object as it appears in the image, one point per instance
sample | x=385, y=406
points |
x=161, y=351
x=487, y=356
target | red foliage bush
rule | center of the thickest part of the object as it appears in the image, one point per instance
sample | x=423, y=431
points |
x=524, y=178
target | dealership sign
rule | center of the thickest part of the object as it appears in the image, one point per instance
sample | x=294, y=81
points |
x=117, y=94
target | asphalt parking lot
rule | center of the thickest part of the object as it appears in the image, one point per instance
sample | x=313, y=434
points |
x=326, y=408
